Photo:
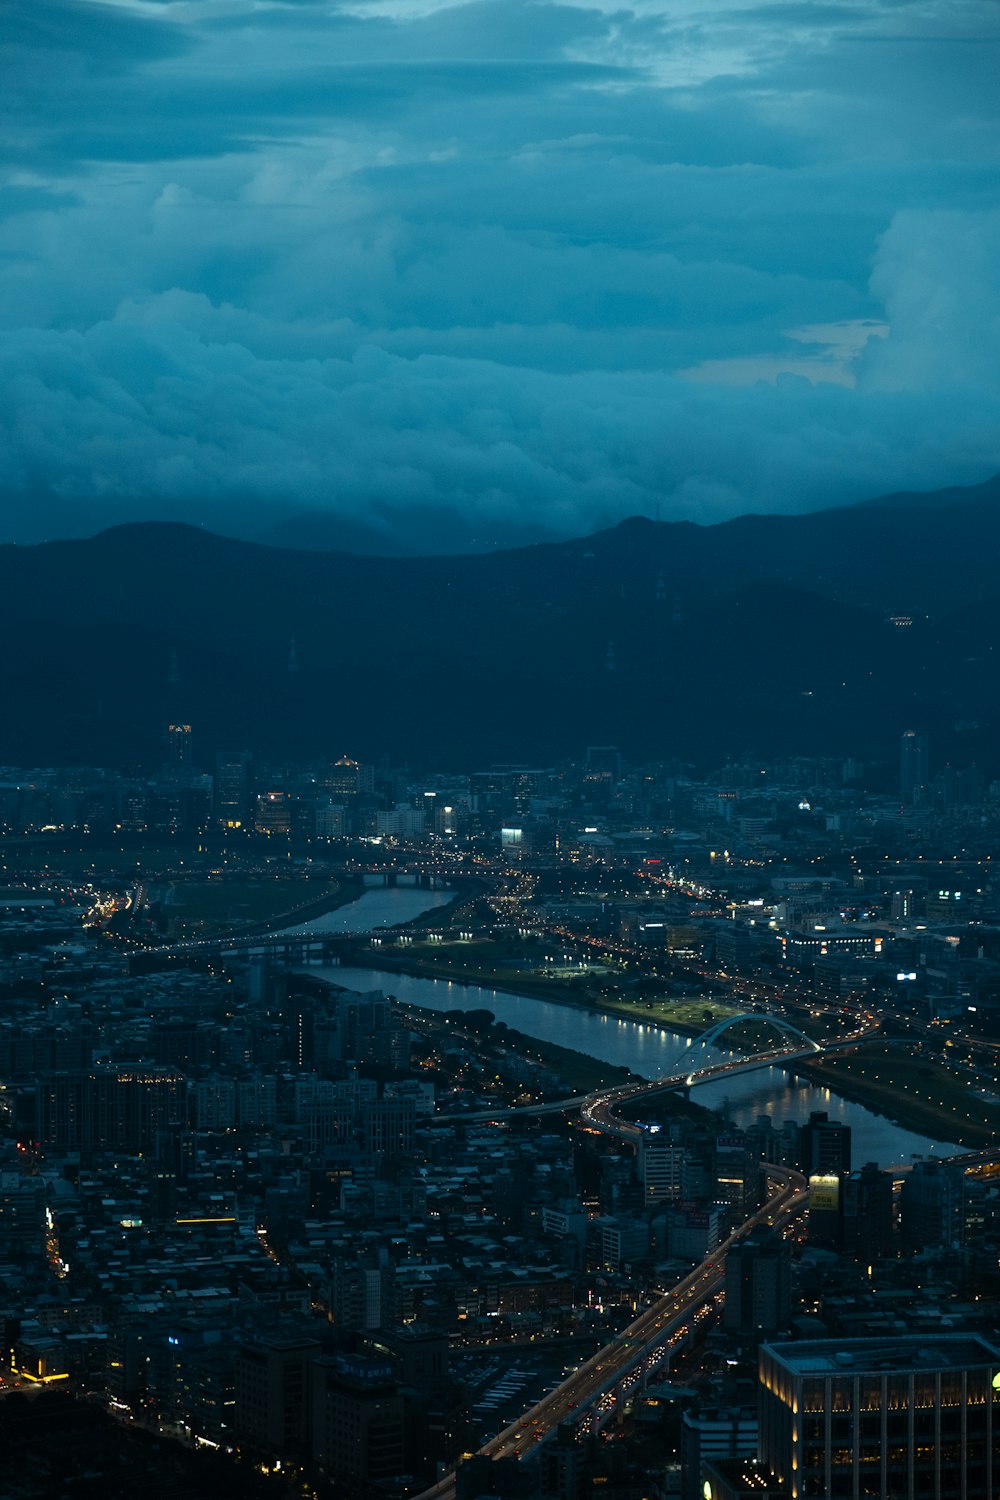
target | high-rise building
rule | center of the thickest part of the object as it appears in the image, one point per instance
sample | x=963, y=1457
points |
x=363, y=1290
x=825, y=1145
x=231, y=803
x=357, y=1419
x=273, y=812
x=738, y=1177
x=930, y=1207
x=759, y=1284
x=604, y=766
x=660, y=1162
x=886, y=1417
x=272, y=1393
x=866, y=1223
x=914, y=764
x=388, y=1125
x=825, y=1157
x=108, y=1109
x=179, y=746
x=22, y=1216
x=566, y=1465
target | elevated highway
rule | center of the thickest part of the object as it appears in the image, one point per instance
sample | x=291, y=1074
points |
x=594, y=1390
x=598, y=1110
x=598, y=1386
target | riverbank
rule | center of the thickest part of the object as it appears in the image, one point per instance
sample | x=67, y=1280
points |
x=351, y=888
x=915, y=1093
x=882, y=1084
x=579, y=1072
x=202, y=909
x=690, y=1017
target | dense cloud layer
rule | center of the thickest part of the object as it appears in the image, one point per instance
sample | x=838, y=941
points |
x=530, y=266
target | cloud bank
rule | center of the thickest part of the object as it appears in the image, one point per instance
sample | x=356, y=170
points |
x=473, y=272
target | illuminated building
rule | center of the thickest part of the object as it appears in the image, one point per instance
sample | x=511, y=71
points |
x=739, y=1479
x=232, y=788
x=713, y=1432
x=179, y=746
x=893, y=1417
x=660, y=1163
x=737, y=1174
x=273, y=812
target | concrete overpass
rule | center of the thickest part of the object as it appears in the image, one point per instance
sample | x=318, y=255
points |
x=599, y=1109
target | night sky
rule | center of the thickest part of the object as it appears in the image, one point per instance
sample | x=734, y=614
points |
x=467, y=274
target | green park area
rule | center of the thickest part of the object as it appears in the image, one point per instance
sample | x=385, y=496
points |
x=546, y=973
x=917, y=1092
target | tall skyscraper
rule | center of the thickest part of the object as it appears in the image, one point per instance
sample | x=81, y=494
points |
x=914, y=764
x=179, y=746
x=867, y=1214
x=930, y=1207
x=232, y=788
x=825, y=1144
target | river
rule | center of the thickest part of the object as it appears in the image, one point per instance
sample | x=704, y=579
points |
x=647, y=1050
x=382, y=906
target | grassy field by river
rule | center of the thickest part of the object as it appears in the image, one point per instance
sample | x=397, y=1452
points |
x=503, y=965
x=915, y=1091
x=200, y=908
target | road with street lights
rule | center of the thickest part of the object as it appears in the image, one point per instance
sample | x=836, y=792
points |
x=624, y=1362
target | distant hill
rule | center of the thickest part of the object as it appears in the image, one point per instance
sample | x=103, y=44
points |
x=763, y=634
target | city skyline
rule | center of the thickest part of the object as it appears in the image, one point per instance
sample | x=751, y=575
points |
x=499, y=776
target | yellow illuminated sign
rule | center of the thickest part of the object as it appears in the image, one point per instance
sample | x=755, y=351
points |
x=824, y=1191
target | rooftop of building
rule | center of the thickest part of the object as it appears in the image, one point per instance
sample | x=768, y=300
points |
x=873, y=1356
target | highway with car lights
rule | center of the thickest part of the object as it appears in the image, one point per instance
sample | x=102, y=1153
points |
x=623, y=1364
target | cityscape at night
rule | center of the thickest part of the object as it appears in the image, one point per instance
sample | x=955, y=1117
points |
x=499, y=750
x=512, y=1131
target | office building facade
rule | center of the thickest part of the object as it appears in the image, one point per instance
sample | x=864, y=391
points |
x=897, y=1418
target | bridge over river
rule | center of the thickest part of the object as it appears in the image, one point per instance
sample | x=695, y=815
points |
x=598, y=1388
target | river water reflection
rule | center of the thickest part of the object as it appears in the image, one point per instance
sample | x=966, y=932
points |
x=647, y=1050
x=651, y=1050
x=383, y=906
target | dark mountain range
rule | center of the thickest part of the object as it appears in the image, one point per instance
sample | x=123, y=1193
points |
x=765, y=634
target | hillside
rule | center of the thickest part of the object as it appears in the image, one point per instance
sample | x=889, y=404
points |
x=764, y=634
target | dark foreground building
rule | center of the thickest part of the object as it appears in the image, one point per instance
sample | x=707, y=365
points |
x=897, y=1418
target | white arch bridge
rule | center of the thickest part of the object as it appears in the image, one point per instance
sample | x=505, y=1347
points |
x=797, y=1040
x=600, y=1110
